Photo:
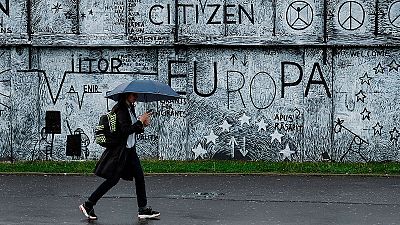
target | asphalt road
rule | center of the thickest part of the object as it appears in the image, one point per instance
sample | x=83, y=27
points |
x=206, y=199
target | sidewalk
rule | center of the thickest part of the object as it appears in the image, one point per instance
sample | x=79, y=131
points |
x=206, y=199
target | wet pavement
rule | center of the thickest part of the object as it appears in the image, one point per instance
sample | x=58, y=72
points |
x=206, y=199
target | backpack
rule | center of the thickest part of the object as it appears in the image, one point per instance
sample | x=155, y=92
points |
x=106, y=129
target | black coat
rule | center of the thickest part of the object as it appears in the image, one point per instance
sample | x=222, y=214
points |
x=116, y=161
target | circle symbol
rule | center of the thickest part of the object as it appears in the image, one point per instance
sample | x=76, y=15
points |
x=394, y=14
x=351, y=15
x=299, y=15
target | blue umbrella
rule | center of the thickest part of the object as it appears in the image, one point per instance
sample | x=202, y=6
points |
x=147, y=90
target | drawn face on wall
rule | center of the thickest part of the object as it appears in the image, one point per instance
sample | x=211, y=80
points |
x=131, y=98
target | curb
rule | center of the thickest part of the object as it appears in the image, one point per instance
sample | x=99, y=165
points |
x=43, y=174
x=202, y=174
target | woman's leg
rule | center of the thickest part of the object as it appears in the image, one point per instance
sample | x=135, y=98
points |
x=139, y=181
x=101, y=190
x=87, y=207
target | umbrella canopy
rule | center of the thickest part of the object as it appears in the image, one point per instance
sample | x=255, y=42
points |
x=147, y=90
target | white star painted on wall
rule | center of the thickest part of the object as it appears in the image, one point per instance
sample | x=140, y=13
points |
x=377, y=129
x=286, y=152
x=379, y=69
x=244, y=119
x=211, y=138
x=393, y=66
x=360, y=96
x=199, y=151
x=262, y=125
x=365, y=114
x=394, y=134
x=365, y=79
x=276, y=135
x=225, y=126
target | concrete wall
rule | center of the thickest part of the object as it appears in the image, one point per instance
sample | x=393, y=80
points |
x=260, y=79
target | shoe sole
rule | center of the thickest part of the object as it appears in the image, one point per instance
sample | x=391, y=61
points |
x=83, y=210
x=148, y=216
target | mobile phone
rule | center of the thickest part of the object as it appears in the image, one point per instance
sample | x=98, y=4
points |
x=150, y=111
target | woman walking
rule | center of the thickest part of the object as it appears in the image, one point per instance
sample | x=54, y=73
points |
x=120, y=160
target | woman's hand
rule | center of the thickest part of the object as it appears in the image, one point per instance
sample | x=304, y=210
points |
x=145, y=119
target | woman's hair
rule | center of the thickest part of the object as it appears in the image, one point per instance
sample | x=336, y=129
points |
x=121, y=102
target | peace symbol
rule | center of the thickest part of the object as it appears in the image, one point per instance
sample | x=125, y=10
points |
x=299, y=15
x=351, y=15
x=394, y=14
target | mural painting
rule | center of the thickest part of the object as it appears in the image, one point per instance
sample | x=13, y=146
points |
x=259, y=80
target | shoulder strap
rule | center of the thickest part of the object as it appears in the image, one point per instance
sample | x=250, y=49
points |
x=112, y=121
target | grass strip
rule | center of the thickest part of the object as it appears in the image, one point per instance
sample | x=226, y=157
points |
x=84, y=167
x=210, y=166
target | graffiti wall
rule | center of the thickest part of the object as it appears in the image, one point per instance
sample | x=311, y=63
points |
x=259, y=80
